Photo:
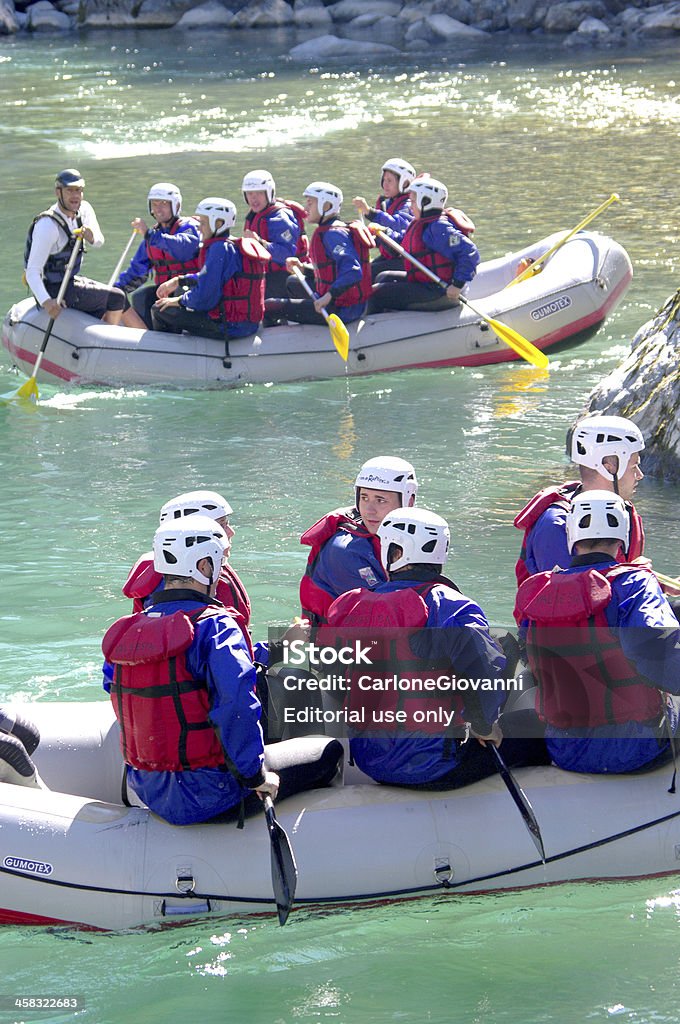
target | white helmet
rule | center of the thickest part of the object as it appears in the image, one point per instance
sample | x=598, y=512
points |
x=597, y=514
x=403, y=170
x=429, y=193
x=166, y=190
x=422, y=536
x=325, y=195
x=259, y=181
x=179, y=546
x=386, y=473
x=196, y=503
x=216, y=209
x=595, y=437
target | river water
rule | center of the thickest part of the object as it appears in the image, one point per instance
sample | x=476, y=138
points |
x=529, y=139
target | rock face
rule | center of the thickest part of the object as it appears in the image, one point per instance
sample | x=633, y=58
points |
x=9, y=23
x=645, y=388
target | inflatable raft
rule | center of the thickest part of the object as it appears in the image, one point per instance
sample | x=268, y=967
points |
x=77, y=855
x=581, y=283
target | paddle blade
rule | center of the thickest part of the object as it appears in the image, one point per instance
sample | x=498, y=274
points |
x=521, y=802
x=284, y=868
x=28, y=392
x=339, y=335
x=522, y=346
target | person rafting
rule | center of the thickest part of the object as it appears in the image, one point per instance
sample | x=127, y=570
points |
x=339, y=270
x=169, y=247
x=226, y=292
x=607, y=451
x=392, y=212
x=278, y=225
x=603, y=645
x=440, y=239
x=182, y=685
x=419, y=628
x=345, y=549
x=49, y=245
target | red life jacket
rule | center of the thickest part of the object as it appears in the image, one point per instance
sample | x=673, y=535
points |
x=326, y=269
x=243, y=294
x=314, y=601
x=583, y=677
x=561, y=497
x=391, y=207
x=259, y=223
x=434, y=261
x=388, y=622
x=166, y=266
x=162, y=710
x=143, y=580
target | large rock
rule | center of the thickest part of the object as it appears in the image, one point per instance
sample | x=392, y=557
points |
x=445, y=27
x=212, y=14
x=264, y=14
x=311, y=14
x=132, y=13
x=661, y=21
x=566, y=17
x=44, y=17
x=329, y=47
x=9, y=23
x=645, y=388
x=347, y=10
x=526, y=15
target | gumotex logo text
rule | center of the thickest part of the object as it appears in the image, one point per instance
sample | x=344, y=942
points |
x=541, y=312
x=34, y=867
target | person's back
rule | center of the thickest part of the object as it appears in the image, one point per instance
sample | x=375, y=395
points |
x=604, y=647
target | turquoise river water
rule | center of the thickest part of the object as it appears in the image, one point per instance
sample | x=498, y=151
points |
x=529, y=139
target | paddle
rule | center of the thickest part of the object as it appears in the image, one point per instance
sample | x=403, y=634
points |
x=29, y=389
x=537, y=266
x=284, y=868
x=119, y=264
x=521, y=801
x=515, y=341
x=339, y=333
x=667, y=581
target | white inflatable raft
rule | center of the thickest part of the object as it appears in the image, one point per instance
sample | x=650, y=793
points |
x=77, y=855
x=579, y=286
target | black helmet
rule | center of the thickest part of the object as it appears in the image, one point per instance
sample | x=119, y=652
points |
x=70, y=178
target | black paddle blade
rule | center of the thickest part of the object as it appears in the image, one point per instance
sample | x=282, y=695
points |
x=521, y=801
x=284, y=868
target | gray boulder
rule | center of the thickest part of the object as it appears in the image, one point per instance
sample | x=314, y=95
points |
x=347, y=10
x=264, y=14
x=329, y=47
x=662, y=20
x=526, y=15
x=44, y=17
x=593, y=27
x=566, y=17
x=645, y=389
x=212, y=14
x=311, y=14
x=9, y=23
x=445, y=27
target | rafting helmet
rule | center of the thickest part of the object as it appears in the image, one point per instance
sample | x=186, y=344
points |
x=216, y=209
x=179, y=546
x=386, y=473
x=429, y=193
x=192, y=503
x=70, y=178
x=325, y=195
x=166, y=190
x=403, y=170
x=597, y=514
x=259, y=181
x=595, y=437
x=422, y=535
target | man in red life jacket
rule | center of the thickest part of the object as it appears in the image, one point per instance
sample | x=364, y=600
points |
x=182, y=685
x=607, y=451
x=345, y=547
x=392, y=212
x=604, y=647
x=340, y=271
x=440, y=240
x=226, y=296
x=278, y=225
x=169, y=248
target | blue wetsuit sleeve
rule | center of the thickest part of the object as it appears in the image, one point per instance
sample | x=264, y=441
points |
x=454, y=246
x=182, y=246
x=139, y=268
x=340, y=247
x=345, y=563
x=222, y=262
x=546, y=544
x=394, y=223
x=648, y=632
x=284, y=232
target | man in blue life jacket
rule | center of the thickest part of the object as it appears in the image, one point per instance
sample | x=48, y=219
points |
x=226, y=292
x=440, y=239
x=604, y=648
x=169, y=248
x=392, y=212
x=345, y=546
x=183, y=690
x=607, y=451
x=423, y=629
x=278, y=225
x=49, y=245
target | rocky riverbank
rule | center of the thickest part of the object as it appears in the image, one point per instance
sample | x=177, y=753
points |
x=361, y=27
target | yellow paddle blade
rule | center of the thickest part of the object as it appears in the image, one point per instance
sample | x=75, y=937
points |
x=667, y=581
x=28, y=392
x=339, y=335
x=522, y=346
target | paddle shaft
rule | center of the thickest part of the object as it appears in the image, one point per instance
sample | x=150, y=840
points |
x=307, y=287
x=60, y=295
x=283, y=867
x=537, y=266
x=521, y=801
x=119, y=264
